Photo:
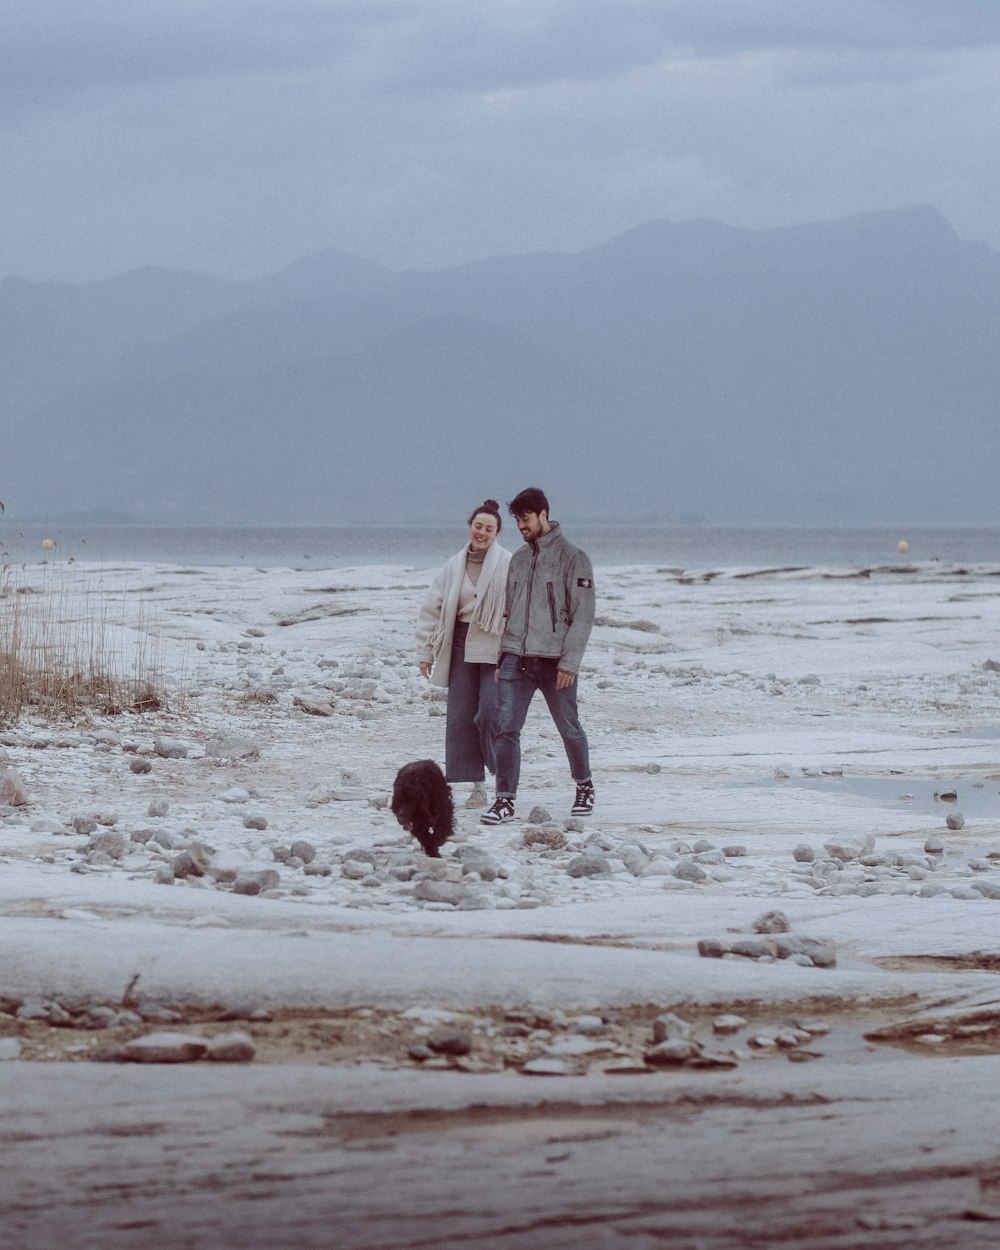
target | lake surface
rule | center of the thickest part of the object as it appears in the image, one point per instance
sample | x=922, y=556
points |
x=676, y=546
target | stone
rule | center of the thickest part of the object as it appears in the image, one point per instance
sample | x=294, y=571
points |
x=190, y=863
x=139, y=764
x=256, y=881
x=588, y=865
x=555, y=1065
x=725, y=1025
x=12, y=790
x=232, y=1047
x=771, y=922
x=158, y=807
x=803, y=854
x=108, y=842
x=431, y=891
x=670, y=1027
x=163, y=1048
x=845, y=849
x=235, y=794
x=752, y=948
x=712, y=948
x=539, y=815
x=254, y=820
x=955, y=821
x=450, y=1041
x=672, y=1053
x=84, y=824
x=169, y=749
x=303, y=850
x=155, y=1013
x=688, y=871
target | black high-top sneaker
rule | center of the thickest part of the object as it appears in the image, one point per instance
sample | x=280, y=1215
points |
x=584, y=803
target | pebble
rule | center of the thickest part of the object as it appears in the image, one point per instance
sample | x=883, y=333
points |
x=161, y=1048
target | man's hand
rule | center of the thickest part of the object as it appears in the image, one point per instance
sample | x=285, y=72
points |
x=425, y=669
x=564, y=679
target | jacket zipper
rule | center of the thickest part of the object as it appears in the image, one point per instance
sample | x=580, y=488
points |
x=527, y=599
x=552, y=604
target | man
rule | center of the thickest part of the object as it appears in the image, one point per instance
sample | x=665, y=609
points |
x=549, y=616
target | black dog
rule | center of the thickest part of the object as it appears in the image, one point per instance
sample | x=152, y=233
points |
x=422, y=803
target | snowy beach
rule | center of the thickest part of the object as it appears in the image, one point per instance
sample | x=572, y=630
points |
x=756, y=990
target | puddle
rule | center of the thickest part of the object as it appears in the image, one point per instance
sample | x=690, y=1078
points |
x=973, y=796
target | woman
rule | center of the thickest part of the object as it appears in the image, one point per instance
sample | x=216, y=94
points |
x=458, y=639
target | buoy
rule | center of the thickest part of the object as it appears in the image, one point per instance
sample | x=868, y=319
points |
x=904, y=547
x=48, y=544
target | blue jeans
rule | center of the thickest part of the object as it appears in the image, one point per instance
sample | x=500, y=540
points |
x=517, y=680
x=471, y=725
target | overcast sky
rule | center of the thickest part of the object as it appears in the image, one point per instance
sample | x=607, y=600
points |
x=236, y=136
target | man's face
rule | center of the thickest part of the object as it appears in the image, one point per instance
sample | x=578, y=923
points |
x=532, y=525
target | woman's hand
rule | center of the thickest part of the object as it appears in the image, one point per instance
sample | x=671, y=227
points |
x=425, y=669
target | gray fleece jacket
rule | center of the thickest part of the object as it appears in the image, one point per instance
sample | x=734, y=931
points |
x=550, y=601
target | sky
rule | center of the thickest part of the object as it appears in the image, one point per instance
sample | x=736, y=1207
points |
x=234, y=137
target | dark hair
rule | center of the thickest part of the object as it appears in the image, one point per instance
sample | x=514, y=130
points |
x=491, y=508
x=531, y=499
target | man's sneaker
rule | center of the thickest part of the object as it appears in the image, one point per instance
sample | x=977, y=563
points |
x=499, y=814
x=478, y=797
x=584, y=803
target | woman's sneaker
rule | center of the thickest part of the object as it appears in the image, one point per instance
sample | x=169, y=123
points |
x=499, y=814
x=478, y=796
x=584, y=803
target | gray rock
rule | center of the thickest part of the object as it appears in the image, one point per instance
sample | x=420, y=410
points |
x=670, y=1027
x=539, y=815
x=158, y=807
x=672, y=1053
x=688, y=871
x=84, y=824
x=12, y=789
x=803, y=854
x=163, y=1048
x=955, y=821
x=139, y=764
x=169, y=749
x=317, y=870
x=736, y=851
x=988, y=889
x=845, y=849
x=232, y=1047
x=588, y=865
x=303, y=850
x=450, y=1042
x=431, y=891
x=256, y=881
x=155, y=1013
x=253, y=820
x=752, y=948
x=712, y=948
x=108, y=842
x=725, y=1025
x=771, y=922
x=190, y=863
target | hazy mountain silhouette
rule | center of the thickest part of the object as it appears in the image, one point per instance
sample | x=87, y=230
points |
x=837, y=373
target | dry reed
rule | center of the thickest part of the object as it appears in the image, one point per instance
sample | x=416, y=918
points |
x=66, y=648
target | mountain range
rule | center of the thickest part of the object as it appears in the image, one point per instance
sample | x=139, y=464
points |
x=836, y=373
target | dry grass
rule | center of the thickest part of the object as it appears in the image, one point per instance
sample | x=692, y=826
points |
x=66, y=648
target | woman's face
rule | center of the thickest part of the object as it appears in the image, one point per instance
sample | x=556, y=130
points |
x=482, y=531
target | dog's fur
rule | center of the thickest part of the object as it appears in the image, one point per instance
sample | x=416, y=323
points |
x=422, y=803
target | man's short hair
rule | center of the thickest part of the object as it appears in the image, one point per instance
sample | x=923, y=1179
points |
x=531, y=499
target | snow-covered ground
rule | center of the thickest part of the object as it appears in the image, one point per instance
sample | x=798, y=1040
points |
x=763, y=741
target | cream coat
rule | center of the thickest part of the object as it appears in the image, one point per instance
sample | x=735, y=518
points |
x=436, y=623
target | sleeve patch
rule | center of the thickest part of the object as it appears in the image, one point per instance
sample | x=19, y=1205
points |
x=586, y=583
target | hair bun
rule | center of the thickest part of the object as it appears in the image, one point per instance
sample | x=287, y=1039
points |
x=491, y=503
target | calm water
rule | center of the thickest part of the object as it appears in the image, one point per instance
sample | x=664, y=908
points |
x=690, y=547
